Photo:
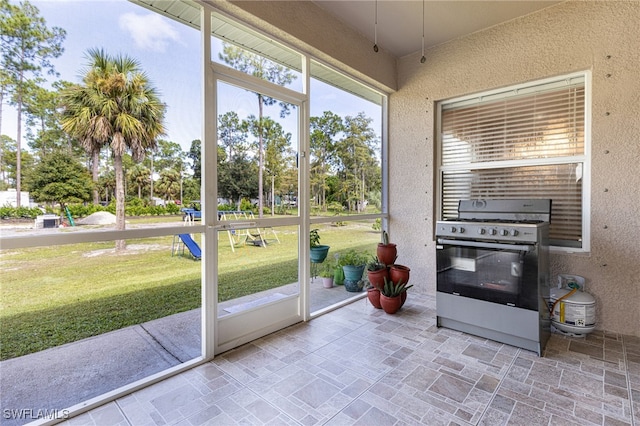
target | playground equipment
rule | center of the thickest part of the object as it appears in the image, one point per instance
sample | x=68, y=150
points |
x=181, y=241
x=252, y=235
x=247, y=236
x=69, y=217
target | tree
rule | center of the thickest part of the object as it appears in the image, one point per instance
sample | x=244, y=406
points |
x=7, y=146
x=195, y=154
x=107, y=184
x=116, y=106
x=140, y=176
x=232, y=134
x=27, y=47
x=237, y=177
x=59, y=178
x=357, y=155
x=277, y=150
x=42, y=112
x=169, y=184
x=168, y=155
x=324, y=130
x=261, y=67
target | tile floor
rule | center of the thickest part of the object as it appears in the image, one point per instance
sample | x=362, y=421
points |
x=360, y=366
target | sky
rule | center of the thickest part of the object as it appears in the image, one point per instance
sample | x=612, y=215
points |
x=167, y=51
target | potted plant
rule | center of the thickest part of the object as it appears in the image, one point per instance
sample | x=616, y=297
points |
x=391, y=296
x=318, y=251
x=327, y=273
x=387, y=252
x=399, y=273
x=353, y=263
x=373, y=294
x=377, y=272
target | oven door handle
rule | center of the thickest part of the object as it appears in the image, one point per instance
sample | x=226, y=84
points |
x=477, y=244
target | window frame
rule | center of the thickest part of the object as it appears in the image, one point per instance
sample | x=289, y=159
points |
x=584, y=158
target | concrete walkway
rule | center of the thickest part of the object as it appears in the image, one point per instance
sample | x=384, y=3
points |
x=66, y=375
x=63, y=376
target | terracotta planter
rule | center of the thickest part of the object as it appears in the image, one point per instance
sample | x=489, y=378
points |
x=376, y=278
x=373, y=295
x=327, y=282
x=390, y=304
x=399, y=273
x=387, y=253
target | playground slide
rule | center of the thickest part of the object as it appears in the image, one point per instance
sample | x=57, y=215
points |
x=193, y=247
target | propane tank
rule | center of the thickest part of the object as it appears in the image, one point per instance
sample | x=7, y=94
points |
x=573, y=312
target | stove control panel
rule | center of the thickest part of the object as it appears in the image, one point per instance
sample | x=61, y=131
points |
x=489, y=231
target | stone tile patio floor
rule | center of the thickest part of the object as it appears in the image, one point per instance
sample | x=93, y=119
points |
x=359, y=366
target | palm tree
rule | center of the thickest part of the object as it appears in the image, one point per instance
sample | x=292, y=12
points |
x=116, y=106
x=169, y=184
x=140, y=175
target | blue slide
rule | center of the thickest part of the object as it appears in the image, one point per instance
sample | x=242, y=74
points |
x=193, y=247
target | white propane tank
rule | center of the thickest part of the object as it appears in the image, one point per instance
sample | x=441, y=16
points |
x=573, y=312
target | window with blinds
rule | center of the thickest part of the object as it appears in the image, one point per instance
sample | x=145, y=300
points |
x=520, y=142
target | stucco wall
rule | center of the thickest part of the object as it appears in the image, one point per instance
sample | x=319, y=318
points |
x=603, y=37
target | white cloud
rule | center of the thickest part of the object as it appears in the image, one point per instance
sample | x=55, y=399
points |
x=149, y=32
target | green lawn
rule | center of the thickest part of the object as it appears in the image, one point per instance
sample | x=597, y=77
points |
x=55, y=295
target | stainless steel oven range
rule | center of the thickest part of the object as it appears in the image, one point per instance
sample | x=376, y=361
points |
x=493, y=271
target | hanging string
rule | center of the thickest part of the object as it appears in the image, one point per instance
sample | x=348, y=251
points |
x=375, y=31
x=423, y=59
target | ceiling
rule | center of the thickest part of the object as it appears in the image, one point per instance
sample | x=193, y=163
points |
x=399, y=28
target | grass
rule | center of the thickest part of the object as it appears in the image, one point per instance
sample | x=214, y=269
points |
x=60, y=294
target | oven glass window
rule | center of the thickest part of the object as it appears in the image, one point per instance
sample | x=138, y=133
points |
x=493, y=275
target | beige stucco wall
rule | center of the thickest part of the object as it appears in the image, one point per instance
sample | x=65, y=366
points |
x=603, y=37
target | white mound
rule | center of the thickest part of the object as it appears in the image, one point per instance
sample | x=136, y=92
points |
x=98, y=218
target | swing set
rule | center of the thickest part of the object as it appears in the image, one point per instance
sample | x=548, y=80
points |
x=255, y=236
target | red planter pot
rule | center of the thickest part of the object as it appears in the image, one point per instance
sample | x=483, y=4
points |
x=399, y=273
x=374, y=297
x=387, y=253
x=376, y=278
x=390, y=304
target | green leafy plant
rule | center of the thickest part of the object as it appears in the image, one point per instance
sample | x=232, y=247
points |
x=375, y=265
x=353, y=257
x=391, y=289
x=314, y=238
x=328, y=269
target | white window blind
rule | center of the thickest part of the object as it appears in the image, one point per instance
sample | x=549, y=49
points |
x=524, y=142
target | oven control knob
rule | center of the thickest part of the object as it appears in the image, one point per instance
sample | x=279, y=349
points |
x=504, y=232
x=453, y=229
x=514, y=232
x=481, y=231
x=492, y=231
x=461, y=230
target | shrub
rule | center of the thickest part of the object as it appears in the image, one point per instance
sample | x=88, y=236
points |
x=9, y=212
x=6, y=212
x=173, y=208
x=245, y=205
